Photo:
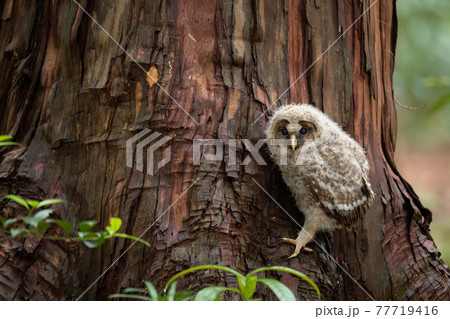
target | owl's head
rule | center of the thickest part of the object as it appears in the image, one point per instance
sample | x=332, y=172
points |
x=294, y=125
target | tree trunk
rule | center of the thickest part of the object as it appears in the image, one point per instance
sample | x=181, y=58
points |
x=73, y=98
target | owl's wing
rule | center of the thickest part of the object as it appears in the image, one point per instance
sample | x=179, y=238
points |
x=338, y=183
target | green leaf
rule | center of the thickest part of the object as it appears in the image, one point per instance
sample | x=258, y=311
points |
x=184, y=296
x=32, y=203
x=250, y=286
x=290, y=271
x=131, y=289
x=241, y=282
x=146, y=243
x=172, y=290
x=203, y=267
x=31, y=221
x=115, y=224
x=436, y=81
x=81, y=234
x=63, y=224
x=42, y=227
x=211, y=293
x=95, y=243
x=49, y=202
x=18, y=200
x=151, y=290
x=38, y=217
x=89, y=235
x=86, y=225
x=9, y=143
x=279, y=289
x=443, y=101
x=10, y=221
x=130, y=296
x=43, y=214
x=18, y=231
x=5, y=137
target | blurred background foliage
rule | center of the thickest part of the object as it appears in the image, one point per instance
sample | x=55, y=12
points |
x=422, y=81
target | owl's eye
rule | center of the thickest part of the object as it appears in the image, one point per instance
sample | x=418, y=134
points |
x=284, y=131
x=303, y=131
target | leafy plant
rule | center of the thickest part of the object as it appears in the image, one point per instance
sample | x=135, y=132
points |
x=150, y=293
x=4, y=141
x=36, y=223
x=247, y=286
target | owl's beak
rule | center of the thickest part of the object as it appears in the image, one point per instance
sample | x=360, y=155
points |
x=293, y=142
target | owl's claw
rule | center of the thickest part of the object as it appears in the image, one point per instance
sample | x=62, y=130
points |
x=289, y=241
x=292, y=256
x=297, y=250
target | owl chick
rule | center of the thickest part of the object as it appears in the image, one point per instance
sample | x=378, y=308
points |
x=325, y=169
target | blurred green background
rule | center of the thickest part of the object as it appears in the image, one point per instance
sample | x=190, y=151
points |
x=422, y=80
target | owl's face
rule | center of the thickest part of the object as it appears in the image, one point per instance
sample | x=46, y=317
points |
x=294, y=132
x=292, y=126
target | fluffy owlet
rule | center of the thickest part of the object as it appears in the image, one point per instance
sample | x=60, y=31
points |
x=326, y=170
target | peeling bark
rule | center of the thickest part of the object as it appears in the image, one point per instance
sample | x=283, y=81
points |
x=72, y=97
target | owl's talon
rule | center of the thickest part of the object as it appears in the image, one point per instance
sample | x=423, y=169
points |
x=289, y=241
x=296, y=252
x=292, y=256
x=294, y=242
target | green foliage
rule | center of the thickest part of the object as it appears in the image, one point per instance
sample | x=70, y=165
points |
x=421, y=77
x=35, y=224
x=247, y=286
x=422, y=45
x=212, y=293
x=4, y=141
x=150, y=294
x=37, y=221
x=439, y=104
x=421, y=72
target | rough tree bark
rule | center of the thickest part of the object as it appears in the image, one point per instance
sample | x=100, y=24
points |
x=72, y=97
